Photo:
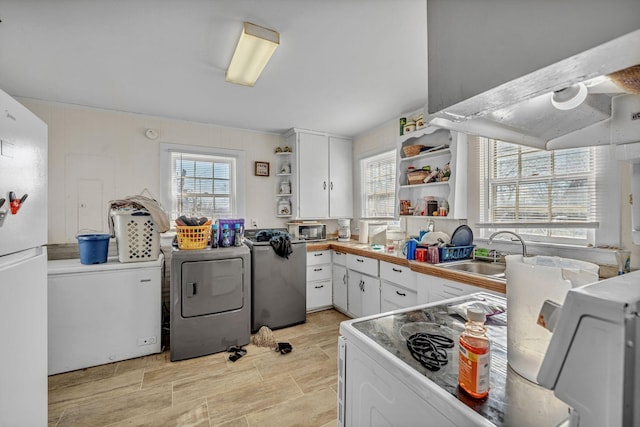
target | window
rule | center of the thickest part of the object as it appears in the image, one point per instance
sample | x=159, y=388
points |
x=200, y=182
x=378, y=183
x=542, y=195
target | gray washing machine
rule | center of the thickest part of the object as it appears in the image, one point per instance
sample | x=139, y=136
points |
x=210, y=301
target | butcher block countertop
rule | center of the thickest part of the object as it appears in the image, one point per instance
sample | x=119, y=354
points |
x=396, y=257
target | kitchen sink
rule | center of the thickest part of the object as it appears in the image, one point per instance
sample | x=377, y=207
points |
x=493, y=270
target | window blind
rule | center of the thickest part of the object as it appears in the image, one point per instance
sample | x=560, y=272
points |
x=544, y=195
x=378, y=176
x=202, y=185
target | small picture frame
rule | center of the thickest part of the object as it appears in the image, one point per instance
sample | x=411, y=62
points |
x=262, y=169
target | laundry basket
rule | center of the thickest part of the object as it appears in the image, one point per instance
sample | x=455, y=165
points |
x=193, y=237
x=137, y=235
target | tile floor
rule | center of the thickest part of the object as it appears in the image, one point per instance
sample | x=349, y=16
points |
x=263, y=388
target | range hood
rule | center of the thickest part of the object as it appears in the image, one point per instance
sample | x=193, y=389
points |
x=521, y=111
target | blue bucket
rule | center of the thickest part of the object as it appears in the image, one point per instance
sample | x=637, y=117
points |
x=93, y=248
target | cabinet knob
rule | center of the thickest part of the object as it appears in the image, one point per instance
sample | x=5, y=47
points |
x=401, y=294
x=319, y=286
x=359, y=260
x=331, y=186
x=396, y=270
x=318, y=254
x=324, y=185
x=317, y=269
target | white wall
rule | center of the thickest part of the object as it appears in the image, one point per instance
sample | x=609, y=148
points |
x=96, y=156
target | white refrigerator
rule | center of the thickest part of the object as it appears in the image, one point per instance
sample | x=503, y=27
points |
x=23, y=266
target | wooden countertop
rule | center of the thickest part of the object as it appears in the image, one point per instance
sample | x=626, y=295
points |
x=419, y=267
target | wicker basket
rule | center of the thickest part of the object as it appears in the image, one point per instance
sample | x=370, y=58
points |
x=412, y=150
x=417, y=177
x=193, y=237
x=628, y=79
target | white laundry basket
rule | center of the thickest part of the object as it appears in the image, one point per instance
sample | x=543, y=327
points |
x=137, y=235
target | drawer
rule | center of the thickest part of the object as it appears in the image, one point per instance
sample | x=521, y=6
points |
x=395, y=297
x=318, y=272
x=362, y=264
x=318, y=257
x=339, y=258
x=319, y=294
x=398, y=274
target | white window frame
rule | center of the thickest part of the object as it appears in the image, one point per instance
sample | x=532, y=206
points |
x=607, y=184
x=362, y=164
x=238, y=185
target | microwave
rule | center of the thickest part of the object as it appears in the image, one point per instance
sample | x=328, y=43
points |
x=304, y=231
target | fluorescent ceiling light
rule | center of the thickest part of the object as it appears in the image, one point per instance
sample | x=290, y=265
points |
x=255, y=47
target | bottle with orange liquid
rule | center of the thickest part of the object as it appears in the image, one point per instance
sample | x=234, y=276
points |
x=474, y=363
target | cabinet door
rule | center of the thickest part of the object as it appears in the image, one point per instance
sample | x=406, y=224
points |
x=394, y=297
x=313, y=176
x=339, y=283
x=318, y=294
x=354, y=293
x=370, y=295
x=340, y=178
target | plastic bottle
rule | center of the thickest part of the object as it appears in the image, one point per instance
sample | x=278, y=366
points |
x=474, y=364
x=226, y=241
x=237, y=235
x=214, y=235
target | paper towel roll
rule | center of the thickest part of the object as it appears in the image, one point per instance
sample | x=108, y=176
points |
x=363, y=233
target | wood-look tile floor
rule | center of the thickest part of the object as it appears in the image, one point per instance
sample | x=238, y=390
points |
x=262, y=388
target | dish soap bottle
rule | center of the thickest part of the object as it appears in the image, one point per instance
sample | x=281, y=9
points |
x=237, y=235
x=226, y=241
x=214, y=235
x=474, y=364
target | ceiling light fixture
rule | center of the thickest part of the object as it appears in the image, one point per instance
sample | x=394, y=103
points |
x=255, y=47
x=570, y=97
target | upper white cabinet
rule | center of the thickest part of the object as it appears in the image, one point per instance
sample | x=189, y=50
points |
x=325, y=180
x=449, y=154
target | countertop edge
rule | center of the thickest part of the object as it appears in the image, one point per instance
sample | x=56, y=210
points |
x=418, y=267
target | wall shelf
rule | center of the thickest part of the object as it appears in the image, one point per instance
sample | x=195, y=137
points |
x=454, y=191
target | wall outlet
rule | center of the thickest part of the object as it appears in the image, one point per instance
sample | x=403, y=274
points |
x=147, y=341
x=254, y=223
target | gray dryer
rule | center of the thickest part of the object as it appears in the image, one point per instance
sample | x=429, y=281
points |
x=210, y=301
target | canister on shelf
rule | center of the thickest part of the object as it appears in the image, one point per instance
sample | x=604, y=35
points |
x=403, y=122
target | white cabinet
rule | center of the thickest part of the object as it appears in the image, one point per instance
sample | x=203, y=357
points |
x=363, y=286
x=398, y=287
x=454, y=154
x=394, y=297
x=339, y=284
x=363, y=294
x=340, y=177
x=318, y=280
x=432, y=289
x=324, y=175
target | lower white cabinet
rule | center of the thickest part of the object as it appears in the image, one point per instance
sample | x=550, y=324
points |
x=394, y=297
x=363, y=294
x=339, y=285
x=319, y=280
x=433, y=289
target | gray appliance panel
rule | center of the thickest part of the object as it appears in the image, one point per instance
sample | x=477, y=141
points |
x=212, y=286
x=279, y=287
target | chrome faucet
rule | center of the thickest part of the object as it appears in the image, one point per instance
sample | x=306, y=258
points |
x=524, y=247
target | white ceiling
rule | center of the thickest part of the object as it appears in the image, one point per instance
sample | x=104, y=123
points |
x=343, y=66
